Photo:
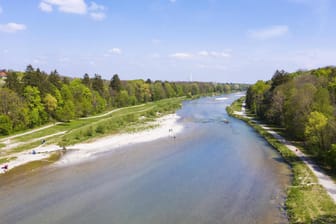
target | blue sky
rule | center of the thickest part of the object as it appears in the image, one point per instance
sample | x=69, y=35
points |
x=208, y=40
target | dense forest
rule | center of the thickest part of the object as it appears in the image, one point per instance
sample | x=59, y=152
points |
x=33, y=97
x=304, y=103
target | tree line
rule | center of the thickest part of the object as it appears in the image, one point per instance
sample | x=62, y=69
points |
x=32, y=98
x=304, y=103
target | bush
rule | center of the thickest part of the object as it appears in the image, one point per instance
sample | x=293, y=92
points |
x=100, y=129
x=89, y=131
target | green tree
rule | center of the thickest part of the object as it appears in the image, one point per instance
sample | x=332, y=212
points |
x=98, y=84
x=115, y=83
x=50, y=103
x=195, y=89
x=66, y=107
x=169, y=90
x=37, y=114
x=322, y=102
x=66, y=112
x=298, y=107
x=219, y=88
x=279, y=78
x=179, y=89
x=146, y=94
x=316, y=130
x=5, y=125
x=98, y=102
x=255, y=97
x=123, y=98
x=83, y=98
x=12, y=82
x=275, y=113
x=8, y=101
x=158, y=92
x=86, y=80
x=14, y=107
x=149, y=81
x=55, y=79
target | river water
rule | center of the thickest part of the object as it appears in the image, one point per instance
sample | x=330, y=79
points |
x=213, y=172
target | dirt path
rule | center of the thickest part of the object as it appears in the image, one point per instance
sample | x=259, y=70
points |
x=29, y=132
x=110, y=112
x=323, y=179
x=16, y=144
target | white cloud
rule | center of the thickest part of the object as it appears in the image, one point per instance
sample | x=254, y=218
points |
x=67, y=6
x=198, y=55
x=172, y=1
x=97, y=12
x=214, y=54
x=98, y=16
x=94, y=10
x=96, y=7
x=12, y=27
x=220, y=54
x=45, y=7
x=115, y=50
x=203, y=53
x=181, y=55
x=218, y=67
x=268, y=33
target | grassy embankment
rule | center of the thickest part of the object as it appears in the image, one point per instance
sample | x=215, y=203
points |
x=307, y=201
x=128, y=119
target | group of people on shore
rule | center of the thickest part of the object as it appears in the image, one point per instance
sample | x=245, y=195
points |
x=4, y=168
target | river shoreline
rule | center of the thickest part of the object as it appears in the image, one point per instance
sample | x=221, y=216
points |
x=166, y=126
x=307, y=200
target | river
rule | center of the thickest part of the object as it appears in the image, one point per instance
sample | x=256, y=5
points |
x=213, y=172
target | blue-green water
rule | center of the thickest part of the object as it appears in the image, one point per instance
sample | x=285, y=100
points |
x=213, y=172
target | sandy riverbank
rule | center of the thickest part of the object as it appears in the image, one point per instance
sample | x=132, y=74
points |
x=167, y=126
x=41, y=152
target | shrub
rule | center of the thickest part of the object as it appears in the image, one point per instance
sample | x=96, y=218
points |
x=100, y=129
